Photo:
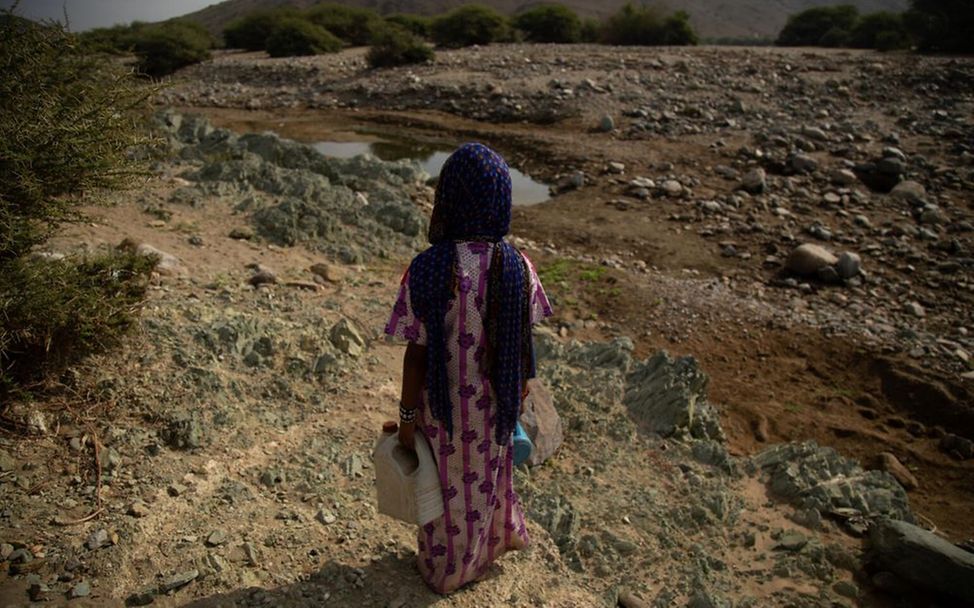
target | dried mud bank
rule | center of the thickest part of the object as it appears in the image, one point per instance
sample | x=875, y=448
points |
x=222, y=459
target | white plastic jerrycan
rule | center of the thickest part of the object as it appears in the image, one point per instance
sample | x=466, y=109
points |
x=407, y=482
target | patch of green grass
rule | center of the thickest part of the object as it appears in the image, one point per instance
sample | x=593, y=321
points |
x=793, y=407
x=556, y=272
x=592, y=274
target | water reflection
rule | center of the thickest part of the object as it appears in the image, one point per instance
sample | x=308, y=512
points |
x=526, y=191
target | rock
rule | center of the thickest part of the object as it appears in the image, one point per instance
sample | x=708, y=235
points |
x=909, y=191
x=957, y=446
x=82, y=589
x=606, y=123
x=167, y=264
x=808, y=259
x=178, y=580
x=346, y=338
x=755, y=181
x=138, y=509
x=353, y=466
x=671, y=187
x=6, y=549
x=817, y=477
x=843, y=177
x=242, y=233
x=627, y=599
x=617, y=168
x=922, y=558
x=217, y=538
x=849, y=265
x=142, y=597
x=184, y=432
x=705, y=599
x=915, y=309
x=802, y=163
x=793, y=541
x=97, y=539
x=263, y=276
x=889, y=463
x=541, y=422
x=846, y=589
x=7, y=462
x=325, y=516
x=668, y=397
x=328, y=272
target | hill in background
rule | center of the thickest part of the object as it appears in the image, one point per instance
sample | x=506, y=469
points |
x=712, y=18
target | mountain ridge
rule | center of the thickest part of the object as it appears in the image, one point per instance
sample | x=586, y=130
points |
x=757, y=19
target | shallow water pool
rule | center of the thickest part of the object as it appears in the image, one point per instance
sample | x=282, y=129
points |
x=526, y=191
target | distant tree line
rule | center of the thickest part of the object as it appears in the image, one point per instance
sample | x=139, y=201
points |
x=394, y=39
x=929, y=25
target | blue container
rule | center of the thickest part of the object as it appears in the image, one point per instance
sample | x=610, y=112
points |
x=522, y=445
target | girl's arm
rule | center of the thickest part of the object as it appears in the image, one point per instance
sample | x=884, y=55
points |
x=413, y=378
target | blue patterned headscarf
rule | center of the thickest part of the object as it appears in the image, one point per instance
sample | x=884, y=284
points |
x=473, y=203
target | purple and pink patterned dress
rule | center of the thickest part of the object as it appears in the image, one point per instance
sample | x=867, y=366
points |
x=483, y=518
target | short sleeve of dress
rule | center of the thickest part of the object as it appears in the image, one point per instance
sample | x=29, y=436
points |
x=404, y=324
x=540, y=308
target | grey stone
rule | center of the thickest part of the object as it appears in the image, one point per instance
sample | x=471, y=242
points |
x=667, y=396
x=97, y=539
x=957, y=446
x=325, y=516
x=242, y=233
x=755, y=181
x=142, y=597
x=138, y=509
x=541, y=422
x=848, y=265
x=891, y=464
x=817, y=477
x=82, y=589
x=846, y=589
x=184, y=432
x=923, y=558
x=178, y=580
x=671, y=187
x=347, y=338
x=802, y=163
x=793, y=541
x=915, y=309
x=808, y=259
x=217, y=538
x=843, y=177
x=606, y=123
x=909, y=191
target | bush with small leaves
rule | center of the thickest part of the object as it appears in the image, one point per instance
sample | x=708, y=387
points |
x=162, y=49
x=820, y=26
x=643, y=25
x=417, y=24
x=591, y=30
x=251, y=31
x=69, y=119
x=352, y=24
x=945, y=26
x=393, y=45
x=115, y=40
x=297, y=37
x=549, y=23
x=883, y=30
x=469, y=25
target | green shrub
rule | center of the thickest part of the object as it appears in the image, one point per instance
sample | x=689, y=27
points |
x=417, y=24
x=549, y=23
x=351, y=24
x=469, y=25
x=820, y=26
x=297, y=37
x=393, y=45
x=251, y=31
x=870, y=28
x=644, y=25
x=68, y=119
x=56, y=312
x=162, y=49
x=942, y=25
x=591, y=30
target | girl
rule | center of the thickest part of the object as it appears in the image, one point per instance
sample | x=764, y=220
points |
x=466, y=306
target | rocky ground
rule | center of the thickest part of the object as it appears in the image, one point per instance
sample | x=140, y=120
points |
x=222, y=458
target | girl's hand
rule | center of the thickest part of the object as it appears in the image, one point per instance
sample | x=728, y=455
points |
x=407, y=437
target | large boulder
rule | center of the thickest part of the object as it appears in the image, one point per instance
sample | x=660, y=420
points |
x=816, y=477
x=541, y=422
x=667, y=396
x=923, y=558
x=809, y=259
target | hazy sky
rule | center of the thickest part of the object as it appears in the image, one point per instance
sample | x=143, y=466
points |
x=86, y=14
